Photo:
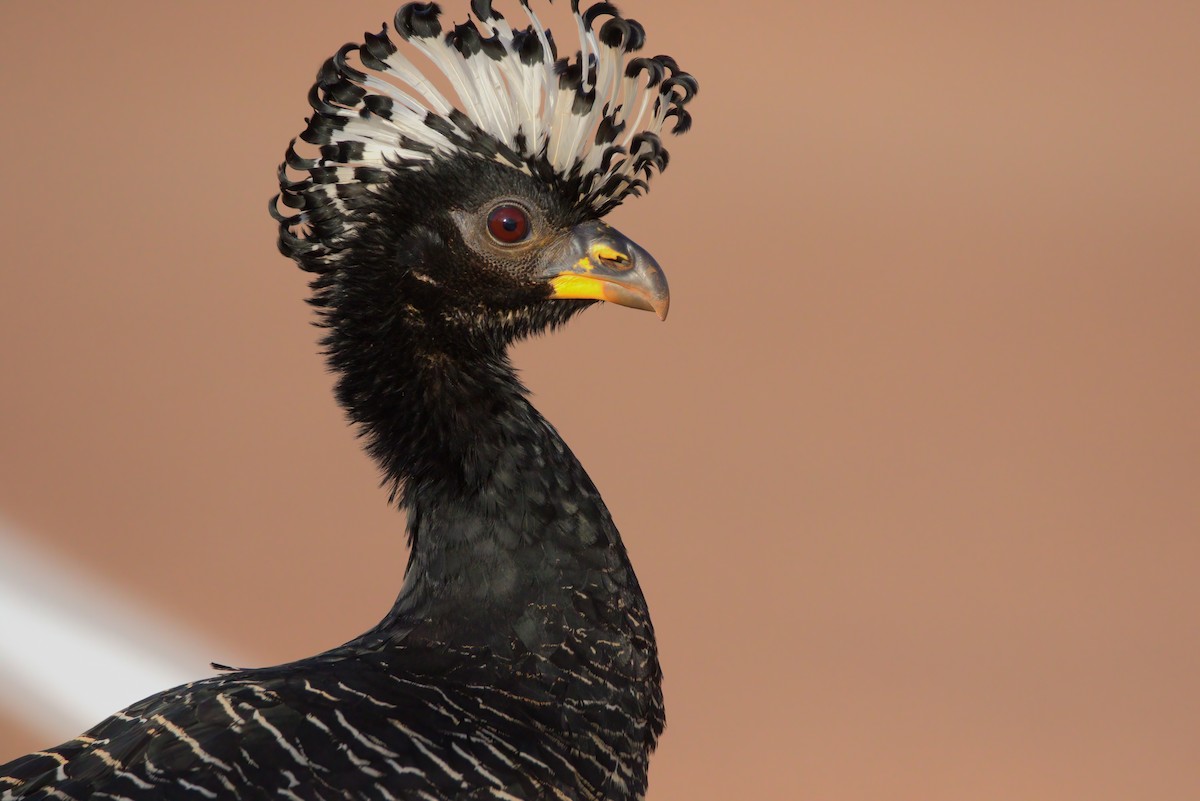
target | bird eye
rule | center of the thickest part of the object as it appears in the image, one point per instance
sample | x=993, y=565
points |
x=508, y=224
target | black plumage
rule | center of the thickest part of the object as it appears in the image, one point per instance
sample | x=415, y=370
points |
x=519, y=660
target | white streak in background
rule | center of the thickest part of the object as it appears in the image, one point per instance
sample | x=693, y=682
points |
x=73, y=650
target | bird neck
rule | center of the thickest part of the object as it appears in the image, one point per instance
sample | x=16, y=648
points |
x=504, y=523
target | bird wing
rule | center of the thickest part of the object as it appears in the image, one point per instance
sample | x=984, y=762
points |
x=355, y=728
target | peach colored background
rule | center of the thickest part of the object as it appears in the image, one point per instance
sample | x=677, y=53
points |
x=911, y=477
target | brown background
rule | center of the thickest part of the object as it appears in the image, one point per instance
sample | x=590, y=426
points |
x=911, y=477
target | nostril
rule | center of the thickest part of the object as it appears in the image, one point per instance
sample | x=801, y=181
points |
x=617, y=264
x=611, y=257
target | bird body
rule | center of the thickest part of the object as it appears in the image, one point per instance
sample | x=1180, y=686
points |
x=518, y=661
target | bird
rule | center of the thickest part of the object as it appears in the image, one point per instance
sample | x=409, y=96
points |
x=519, y=660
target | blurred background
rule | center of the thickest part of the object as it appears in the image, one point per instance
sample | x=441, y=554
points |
x=911, y=477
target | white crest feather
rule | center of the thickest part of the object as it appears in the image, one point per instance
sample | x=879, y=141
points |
x=592, y=121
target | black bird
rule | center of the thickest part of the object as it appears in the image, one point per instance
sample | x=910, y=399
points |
x=519, y=661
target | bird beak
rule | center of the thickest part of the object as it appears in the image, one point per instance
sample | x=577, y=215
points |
x=601, y=263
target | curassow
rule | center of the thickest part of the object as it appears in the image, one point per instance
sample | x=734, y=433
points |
x=519, y=661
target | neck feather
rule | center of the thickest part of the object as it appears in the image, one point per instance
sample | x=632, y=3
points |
x=504, y=523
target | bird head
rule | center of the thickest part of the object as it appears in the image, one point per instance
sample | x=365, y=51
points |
x=479, y=220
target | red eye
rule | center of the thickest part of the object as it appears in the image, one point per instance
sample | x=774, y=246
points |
x=509, y=224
